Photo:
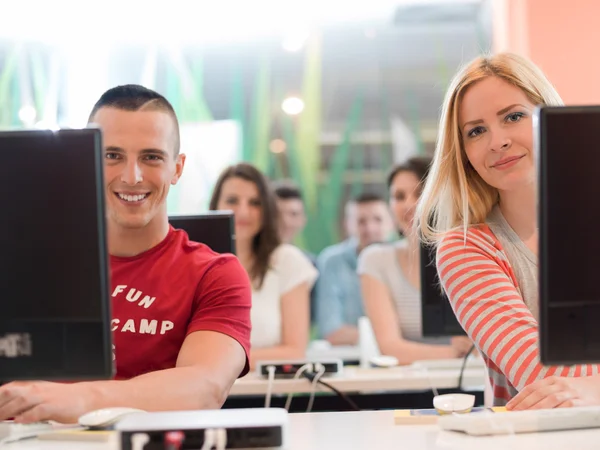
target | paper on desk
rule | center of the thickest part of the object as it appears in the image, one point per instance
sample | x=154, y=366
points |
x=430, y=416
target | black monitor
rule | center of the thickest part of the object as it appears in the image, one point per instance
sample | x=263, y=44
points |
x=54, y=303
x=568, y=151
x=438, y=318
x=215, y=229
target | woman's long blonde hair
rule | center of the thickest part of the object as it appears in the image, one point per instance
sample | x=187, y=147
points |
x=454, y=194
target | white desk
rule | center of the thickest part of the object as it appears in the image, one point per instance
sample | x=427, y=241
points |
x=354, y=379
x=368, y=430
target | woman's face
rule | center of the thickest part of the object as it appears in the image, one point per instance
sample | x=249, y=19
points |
x=404, y=194
x=496, y=128
x=242, y=197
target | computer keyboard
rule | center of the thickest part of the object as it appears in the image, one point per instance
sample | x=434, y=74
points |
x=489, y=423
x=11, y=431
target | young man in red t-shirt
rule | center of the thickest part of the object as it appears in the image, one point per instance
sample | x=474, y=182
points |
x=181, y=313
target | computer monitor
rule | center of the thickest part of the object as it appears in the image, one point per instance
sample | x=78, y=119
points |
x=215, y=229
x=566, y=143
x=54, y=303
x=438, y=318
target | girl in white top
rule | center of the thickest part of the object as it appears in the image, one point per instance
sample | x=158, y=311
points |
x=390, y=278
x=281, y=275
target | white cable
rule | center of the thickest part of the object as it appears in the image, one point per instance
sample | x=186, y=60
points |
x=298, y=374
x=321, y=371
x=139, y=440
x=271, y=371
x=220, y=439
x=430, y=381
x=209, y=439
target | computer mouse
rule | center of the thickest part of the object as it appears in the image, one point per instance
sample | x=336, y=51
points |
x=453, y=403
x=383, y=361
x=106, y=417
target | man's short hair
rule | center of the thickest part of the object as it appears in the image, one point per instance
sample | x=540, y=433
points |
x=133, y=97
x=286, y=191
x=367, y=197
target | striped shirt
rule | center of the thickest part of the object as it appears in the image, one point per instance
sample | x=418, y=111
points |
x=478, y=277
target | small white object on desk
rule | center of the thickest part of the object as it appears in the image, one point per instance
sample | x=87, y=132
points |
x=453, y=403
x=106, y=417
x=367, y=342
x=384, y=361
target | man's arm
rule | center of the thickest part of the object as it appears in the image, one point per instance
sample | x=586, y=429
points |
x=208, y=364
x=295, y=323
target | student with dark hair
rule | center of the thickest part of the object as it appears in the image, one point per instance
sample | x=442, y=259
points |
x=390, y=277
x=337, y=292
x=281, y=274
x=292, y=215
x=181, y=313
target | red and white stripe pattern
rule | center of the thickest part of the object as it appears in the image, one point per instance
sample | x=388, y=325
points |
x=484, y=294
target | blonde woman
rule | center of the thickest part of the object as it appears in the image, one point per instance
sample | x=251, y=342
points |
x=480, y=202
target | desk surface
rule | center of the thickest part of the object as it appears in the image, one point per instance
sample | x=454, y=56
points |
x=396, y=379
x=375, y=429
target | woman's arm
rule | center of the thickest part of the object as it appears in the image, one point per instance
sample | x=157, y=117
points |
x=295, y=324
x=384, y=320
x=491, y=310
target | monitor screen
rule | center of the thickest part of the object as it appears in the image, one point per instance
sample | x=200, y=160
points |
x=215, y=229
x=55, y=309
x=566, y=141
x=437, y=314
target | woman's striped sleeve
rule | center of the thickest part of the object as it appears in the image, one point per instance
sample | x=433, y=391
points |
x=477, y=280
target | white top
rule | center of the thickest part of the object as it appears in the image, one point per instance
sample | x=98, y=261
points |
x=381, y=262
x=289, y=268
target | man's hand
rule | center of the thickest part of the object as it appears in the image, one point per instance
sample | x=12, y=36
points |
x=558, y=392
x=40, y=400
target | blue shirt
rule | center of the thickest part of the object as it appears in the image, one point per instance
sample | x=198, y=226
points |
x=338, y=299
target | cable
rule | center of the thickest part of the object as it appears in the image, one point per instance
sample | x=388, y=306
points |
x=139, y=440
x=271, y=371
x=220, y=439
x=298, y=374
x=353, y=406
x=462, y=369
x=209, y=439
x=431, y=385
x=320, y=373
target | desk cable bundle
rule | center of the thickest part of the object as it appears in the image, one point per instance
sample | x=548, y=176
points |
x=293, y=370
x=305, y=368
x=314, y=373
x=352, y=406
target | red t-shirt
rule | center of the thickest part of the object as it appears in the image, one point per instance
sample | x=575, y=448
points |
x=162, y=295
